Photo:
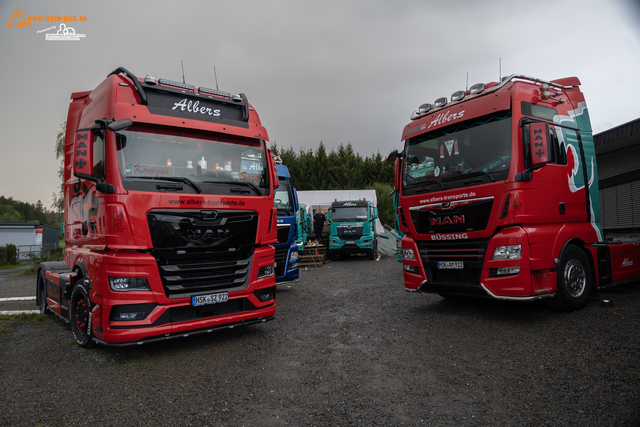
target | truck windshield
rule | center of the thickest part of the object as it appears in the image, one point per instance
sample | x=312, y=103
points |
x=282, y=200
x=356, y=214
x=211, y=166
x=450, y=157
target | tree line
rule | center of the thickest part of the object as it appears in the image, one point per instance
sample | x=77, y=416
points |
x=17, y=211
x=341, y=169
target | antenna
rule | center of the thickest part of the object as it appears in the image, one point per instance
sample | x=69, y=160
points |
x=467, y=87
x=500, y=70
x=182, y=62
x=216, y=76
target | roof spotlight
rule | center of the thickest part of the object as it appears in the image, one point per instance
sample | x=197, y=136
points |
x=457, y=96
x=476, y=88
x=424, y=108
x=440, y=102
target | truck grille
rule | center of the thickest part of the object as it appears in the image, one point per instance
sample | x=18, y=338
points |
x=182, y=278
x=347, y=232
x=471, y=253
x=452, y=217
x=283, y=233
x=281, y=261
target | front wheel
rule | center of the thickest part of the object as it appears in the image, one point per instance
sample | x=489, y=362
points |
x=80, y=314
x=41, y=292
x=373, y=253
x=573, y=281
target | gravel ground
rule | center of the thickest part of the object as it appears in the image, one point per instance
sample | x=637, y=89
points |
x=348, y=347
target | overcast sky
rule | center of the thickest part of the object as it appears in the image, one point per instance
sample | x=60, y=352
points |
x=333, y=71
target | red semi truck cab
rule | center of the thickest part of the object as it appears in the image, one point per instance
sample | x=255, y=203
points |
x=498, y=196
x=169, y=217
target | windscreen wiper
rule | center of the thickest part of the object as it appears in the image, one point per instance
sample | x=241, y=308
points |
x=478, y=173
x=172, y=179
x=426, y=183
x=242, y=183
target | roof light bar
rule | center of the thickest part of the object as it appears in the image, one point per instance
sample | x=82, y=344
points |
x=457, y=96
x=476, y=88
x=214, y=92
x=176, y=84
x=440, y=102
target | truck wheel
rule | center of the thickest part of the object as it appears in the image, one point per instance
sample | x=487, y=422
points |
x=41, y=292
x=573, y=281
x=333, y=256
x=371, y=254
x=80, y=315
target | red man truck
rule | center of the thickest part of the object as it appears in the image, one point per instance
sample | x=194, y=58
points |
x=498, y=197
x=169, y=217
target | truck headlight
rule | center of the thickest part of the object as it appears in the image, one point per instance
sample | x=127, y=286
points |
x=126, y=284
x=408, y=254
x=507, y=252
x=507, y=271
x=266, y=271
x=293, y=256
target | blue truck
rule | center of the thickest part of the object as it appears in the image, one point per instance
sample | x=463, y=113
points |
x=353, y=229
x=286, y=202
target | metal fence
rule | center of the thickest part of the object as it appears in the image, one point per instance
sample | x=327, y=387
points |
x=23, y=250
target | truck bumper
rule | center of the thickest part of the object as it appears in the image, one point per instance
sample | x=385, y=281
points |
x=468, y=268
x=167, y=322
x=136, y=317
x=290, y=269
x=363, y=245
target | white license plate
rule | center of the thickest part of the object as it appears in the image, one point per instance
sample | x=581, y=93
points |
x=450, y=265
x=350, y=242
x=210, y=299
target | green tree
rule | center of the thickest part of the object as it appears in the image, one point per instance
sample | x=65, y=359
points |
x=8, y=214
x=385, y=202
x=58, y=197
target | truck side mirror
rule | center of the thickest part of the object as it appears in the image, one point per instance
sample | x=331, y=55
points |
x=393, y=156
x=539, y=144
x=397, y=173
x=296, y=206
x=375, y=213
x=83, y=154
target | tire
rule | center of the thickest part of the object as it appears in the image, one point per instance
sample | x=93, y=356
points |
x=333, y=256
x=574, y=281
x=371, y=254
x=41, y=292
x=80, y=308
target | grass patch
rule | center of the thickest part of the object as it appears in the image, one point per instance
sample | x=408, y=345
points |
x=132, y=364
x=23, y=317
x=5, y=267
x=31, y=271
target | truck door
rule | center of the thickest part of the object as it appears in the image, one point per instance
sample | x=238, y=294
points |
x=548, y=186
